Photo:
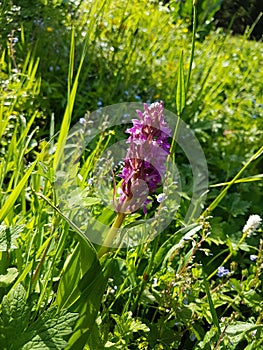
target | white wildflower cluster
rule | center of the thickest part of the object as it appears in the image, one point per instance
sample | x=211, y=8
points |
x=252, y=224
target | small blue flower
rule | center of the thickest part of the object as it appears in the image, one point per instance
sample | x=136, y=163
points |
x=90, y=181
x=222, y=271
x=253, y=257
x=160, y=198
x=82, y=121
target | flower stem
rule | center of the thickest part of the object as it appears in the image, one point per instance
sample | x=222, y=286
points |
x=111, y=234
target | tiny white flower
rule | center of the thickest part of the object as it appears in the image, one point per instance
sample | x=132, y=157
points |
x=252, y=224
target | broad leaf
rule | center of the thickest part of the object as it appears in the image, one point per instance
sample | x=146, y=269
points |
x=18, y=332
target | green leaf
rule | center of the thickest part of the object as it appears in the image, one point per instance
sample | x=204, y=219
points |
x=91, y=289
x=7, y=279
x=211, y=305
x=49, y=330
x=15, y=314
x=126, y=325
x=71, y=100
x=81, y=288
x=8, y=237
x=8, y=205
x=238, y=330
x=79, y=198
x=209, y=337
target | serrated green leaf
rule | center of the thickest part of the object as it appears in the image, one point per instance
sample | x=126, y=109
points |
x=78, y=198
x=15, y=314
x=48, y=331
x=210, y=336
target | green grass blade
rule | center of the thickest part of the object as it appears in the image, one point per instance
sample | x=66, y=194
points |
x=192, y=46
x=8, y=205
x=253, y=178
x=180, y=91
x=211, y=305
x=222, y=194
x=70, y=104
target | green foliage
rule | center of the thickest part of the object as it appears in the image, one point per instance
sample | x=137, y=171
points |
x=165, y=294
x=17, y=331
x=206, y=10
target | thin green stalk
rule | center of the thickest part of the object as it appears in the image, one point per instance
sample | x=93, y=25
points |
x=111, y=234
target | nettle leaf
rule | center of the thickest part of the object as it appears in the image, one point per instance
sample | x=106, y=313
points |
x=47, y=332
x=15, y=313
x=8, y=236
x=14, y=317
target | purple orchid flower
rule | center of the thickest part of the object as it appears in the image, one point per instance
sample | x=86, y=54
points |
x=144, y=164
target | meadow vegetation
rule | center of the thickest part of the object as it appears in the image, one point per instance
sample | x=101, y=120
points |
x=198, y=285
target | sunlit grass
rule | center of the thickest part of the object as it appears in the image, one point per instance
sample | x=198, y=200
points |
x=162, y=294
